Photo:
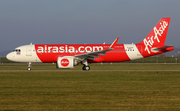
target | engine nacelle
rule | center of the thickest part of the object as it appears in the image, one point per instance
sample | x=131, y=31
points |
x=65, y=62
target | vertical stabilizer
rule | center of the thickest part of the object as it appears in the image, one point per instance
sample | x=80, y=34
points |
x=157, y=36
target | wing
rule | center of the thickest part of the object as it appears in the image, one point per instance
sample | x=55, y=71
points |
x=91, y=55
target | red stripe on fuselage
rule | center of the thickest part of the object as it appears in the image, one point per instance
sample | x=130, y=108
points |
x=50, y=53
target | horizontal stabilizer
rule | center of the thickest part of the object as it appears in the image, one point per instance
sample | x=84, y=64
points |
x=160, y=48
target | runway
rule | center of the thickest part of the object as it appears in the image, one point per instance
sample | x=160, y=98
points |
x=83, y=71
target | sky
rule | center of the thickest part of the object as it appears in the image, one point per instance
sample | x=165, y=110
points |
x=84, y=21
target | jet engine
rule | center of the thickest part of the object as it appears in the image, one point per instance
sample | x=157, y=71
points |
x=66, y=62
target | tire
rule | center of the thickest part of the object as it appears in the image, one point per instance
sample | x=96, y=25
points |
x=86, y=68
x=29, y=69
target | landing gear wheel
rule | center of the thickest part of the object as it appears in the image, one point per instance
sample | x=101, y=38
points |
x=29, y=69
x=86, y=68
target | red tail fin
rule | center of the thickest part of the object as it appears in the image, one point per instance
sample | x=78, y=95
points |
x=157, y=36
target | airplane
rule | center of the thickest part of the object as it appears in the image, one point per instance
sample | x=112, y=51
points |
x=70, y=55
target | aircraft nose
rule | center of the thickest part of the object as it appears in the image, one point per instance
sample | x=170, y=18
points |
x=9, y=56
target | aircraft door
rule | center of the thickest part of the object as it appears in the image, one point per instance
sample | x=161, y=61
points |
x=28, y=50
x=139, y=47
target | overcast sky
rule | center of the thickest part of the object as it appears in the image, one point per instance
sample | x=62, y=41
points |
x=84, y=21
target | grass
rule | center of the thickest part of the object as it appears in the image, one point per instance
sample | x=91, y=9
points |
x=90, y=90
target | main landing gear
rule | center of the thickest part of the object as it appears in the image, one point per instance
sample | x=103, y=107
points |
x=29, y=66
x=85, y=67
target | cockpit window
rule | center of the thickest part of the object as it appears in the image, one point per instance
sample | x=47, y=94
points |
x=17, y=50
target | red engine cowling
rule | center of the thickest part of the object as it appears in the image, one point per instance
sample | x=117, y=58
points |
x=65, y=62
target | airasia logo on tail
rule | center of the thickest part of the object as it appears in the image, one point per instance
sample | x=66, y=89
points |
x=64, y=62
x=149, y=41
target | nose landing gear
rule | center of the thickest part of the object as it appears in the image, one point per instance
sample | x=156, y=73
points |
x=29, y=66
